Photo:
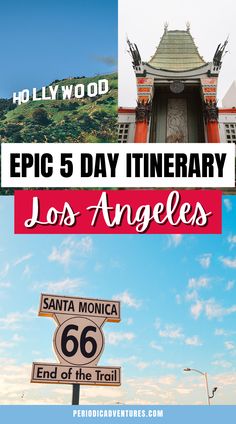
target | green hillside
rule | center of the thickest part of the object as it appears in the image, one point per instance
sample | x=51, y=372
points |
x=86, y=120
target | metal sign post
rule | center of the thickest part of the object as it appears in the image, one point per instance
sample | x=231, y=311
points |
x=78, y=342
x=75, y=394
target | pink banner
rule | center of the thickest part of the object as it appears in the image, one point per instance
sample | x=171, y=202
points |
x=118, y=212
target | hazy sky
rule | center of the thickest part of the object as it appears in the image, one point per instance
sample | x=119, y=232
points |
x=47, y=40
x=143, y=22
x=178, y=308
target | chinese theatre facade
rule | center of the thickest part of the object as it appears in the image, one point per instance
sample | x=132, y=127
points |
x=176, y=92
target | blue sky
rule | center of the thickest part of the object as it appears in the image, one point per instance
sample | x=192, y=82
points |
x=178, y=310
x=48, y=40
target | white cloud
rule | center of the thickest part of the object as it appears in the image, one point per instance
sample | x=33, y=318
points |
x=218, y=355
x=127, y=299
x=220, y=332
x=195, y=283
x=61, y=256
x=122, y=361
x=66, y=285
x=17, y=338
x=26, y=271
x=9, y=344
x=228, y=204
x=156, y=346
x=168, y=380
x=114, y=338
x=222, y=363
x=229, y=285
x=4, y=271
x=157, y=323
x=193, y=341
x=171, y=331
x=5, y=284
x=167, y=389
x=205, y=260
x=129, y=321
x=232, y=240
x=174, y=240
x=142, y=365
x=224, y=380
x=178, y=299
x=13, y=320
x=69, y=248
x=192, y=295
x=6, y=345
x=223, y=332
x=23, y=259
x=230, y=345
x=15, y=386
x=167, y=365
x=196, y=309
x=230, y=263
x=83, y=246
x=211, y=308
x=215, y=310
x=183, y=390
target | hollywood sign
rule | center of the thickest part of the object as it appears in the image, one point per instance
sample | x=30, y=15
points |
x=66, y=92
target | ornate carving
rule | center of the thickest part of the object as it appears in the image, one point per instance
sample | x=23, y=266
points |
x=134, y=53
x=177, y=87
x=177, y=127
x=166, y=25
x=211, y=111
x=217, y=60
x=143, y=111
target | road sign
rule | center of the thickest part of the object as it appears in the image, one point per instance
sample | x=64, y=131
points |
x=78, y=341
x=109, y=310
x=56, y=373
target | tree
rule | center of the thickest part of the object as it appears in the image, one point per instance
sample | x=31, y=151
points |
x=40, y=116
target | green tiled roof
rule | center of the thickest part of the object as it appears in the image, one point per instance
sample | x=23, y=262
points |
x=177, y=52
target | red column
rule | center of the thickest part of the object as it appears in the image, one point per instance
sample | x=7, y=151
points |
x=213, y=135
x=143, y=112
x=209, y=94
x=141, y=132
x=211, y=117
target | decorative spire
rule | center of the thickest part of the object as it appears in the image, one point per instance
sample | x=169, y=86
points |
x=166, y=25
x=188, y=26
x=133, y=50
x=220, y=51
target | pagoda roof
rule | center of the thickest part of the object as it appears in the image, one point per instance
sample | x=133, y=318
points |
x=177, y=51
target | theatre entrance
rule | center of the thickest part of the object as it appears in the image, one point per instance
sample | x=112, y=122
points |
x=177, y=118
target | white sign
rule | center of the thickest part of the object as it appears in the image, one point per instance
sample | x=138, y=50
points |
x=64, y=92
x=56, y=373
x=52, y=304
x=139, y=165
x=78, y=340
